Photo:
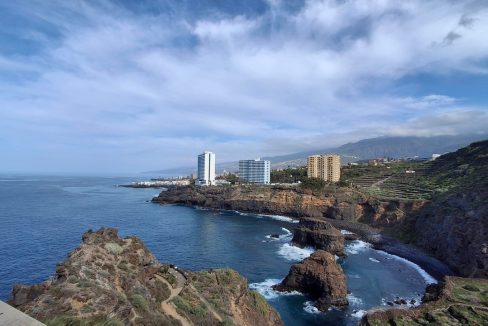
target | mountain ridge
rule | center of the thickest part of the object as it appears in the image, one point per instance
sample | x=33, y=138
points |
x=385, y=146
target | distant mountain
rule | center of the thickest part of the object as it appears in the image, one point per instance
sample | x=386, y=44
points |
x=394, y=147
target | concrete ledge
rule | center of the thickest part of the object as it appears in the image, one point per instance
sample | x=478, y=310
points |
x=11, y=316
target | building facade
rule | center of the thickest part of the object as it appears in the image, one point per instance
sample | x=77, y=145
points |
x=325, y=167
x=206, y=169
x=255, y=171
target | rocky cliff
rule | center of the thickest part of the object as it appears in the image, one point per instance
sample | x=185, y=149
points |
x=319, y=234
x=341, y=203
x=452, y=226
x=113, y=281
x=456, y=301
x=320, y=277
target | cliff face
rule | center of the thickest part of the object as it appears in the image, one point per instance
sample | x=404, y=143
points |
x=115, y=281
x=320, y=277
x=344, y=204
x=456, y=301
x=454, y=225
x=319, y=234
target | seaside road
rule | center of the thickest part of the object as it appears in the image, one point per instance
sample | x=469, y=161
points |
x=166, y=305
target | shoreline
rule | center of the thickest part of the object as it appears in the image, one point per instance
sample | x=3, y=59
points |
x=373, y=236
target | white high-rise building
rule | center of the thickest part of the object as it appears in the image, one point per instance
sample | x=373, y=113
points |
x=255, y=171
x=206, y=169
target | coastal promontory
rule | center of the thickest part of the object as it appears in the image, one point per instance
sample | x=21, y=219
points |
x=109, y=280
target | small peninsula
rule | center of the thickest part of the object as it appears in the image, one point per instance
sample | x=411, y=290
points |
x=109, y=280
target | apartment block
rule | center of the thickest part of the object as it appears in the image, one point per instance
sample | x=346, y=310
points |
x=255, y=171
x=325, y=167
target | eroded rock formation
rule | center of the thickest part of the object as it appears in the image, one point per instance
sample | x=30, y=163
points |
x=319, y=234
x=320, y=277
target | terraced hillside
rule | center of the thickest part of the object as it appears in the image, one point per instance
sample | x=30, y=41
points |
x=392, y=181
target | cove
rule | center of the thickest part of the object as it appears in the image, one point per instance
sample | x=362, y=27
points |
x=43, y=219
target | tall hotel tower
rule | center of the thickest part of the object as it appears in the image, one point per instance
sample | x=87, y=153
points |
x=325, y=167
x=255, y=171
x=206, y=169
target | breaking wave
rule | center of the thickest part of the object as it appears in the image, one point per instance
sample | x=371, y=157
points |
x=310, y=308
x=294, y=253
x=356, y=246
x=264, y=288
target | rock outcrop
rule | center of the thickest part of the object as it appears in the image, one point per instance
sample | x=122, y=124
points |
x=116, y=281
x=320, y=277
x=342, y=204
x=456, y=301
x=319, y=234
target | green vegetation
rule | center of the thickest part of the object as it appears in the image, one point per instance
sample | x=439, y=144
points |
x=74, y=321
x=193, y=307
x=463, y=301
x=114, y=248
x=164, y=272
x=290, y=175
x=260, y=303
x=314, y=184
x=139, y=302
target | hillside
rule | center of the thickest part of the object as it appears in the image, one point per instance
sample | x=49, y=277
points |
x=453, y=225
x=456, y=301
x=110, y=280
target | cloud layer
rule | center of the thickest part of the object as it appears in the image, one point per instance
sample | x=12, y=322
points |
x=88, y=86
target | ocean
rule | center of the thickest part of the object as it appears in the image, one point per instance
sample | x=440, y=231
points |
x=43, y=218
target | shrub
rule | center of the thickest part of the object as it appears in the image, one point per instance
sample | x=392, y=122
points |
x=138, y=301
x=114, y=248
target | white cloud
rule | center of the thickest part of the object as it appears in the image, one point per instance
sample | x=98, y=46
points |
x=113, y=80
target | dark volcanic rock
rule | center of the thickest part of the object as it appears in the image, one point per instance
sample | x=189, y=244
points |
x=319, y=234
x=320, y=277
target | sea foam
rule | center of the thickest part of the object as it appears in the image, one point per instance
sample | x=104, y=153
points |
x=265, y=289
x=426, y=276
x=310, y=308
x=279, y=218
x=356, y=246
x=294, y=253
x=358, y=314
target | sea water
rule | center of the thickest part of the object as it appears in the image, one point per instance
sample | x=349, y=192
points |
x=43, y=218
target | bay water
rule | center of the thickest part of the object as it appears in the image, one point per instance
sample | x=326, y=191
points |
x=42, y=219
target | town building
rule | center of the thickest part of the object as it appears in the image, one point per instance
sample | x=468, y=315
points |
x=255, y=171
x=206, y=169
x=325, y=167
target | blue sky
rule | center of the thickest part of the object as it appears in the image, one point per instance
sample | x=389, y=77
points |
x=121, y=87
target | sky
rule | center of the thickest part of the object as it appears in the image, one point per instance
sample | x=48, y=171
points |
x=129, y=86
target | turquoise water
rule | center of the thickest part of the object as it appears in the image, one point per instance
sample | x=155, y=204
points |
x=43, y=218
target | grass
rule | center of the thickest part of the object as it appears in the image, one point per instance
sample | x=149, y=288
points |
x=197, y=309
x=260, y=303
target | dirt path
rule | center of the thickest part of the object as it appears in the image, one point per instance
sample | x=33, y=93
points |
x=166, y=305
x=376, y=184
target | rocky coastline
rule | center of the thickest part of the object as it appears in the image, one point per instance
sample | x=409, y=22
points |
x=349, y=211
x=109, y=280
